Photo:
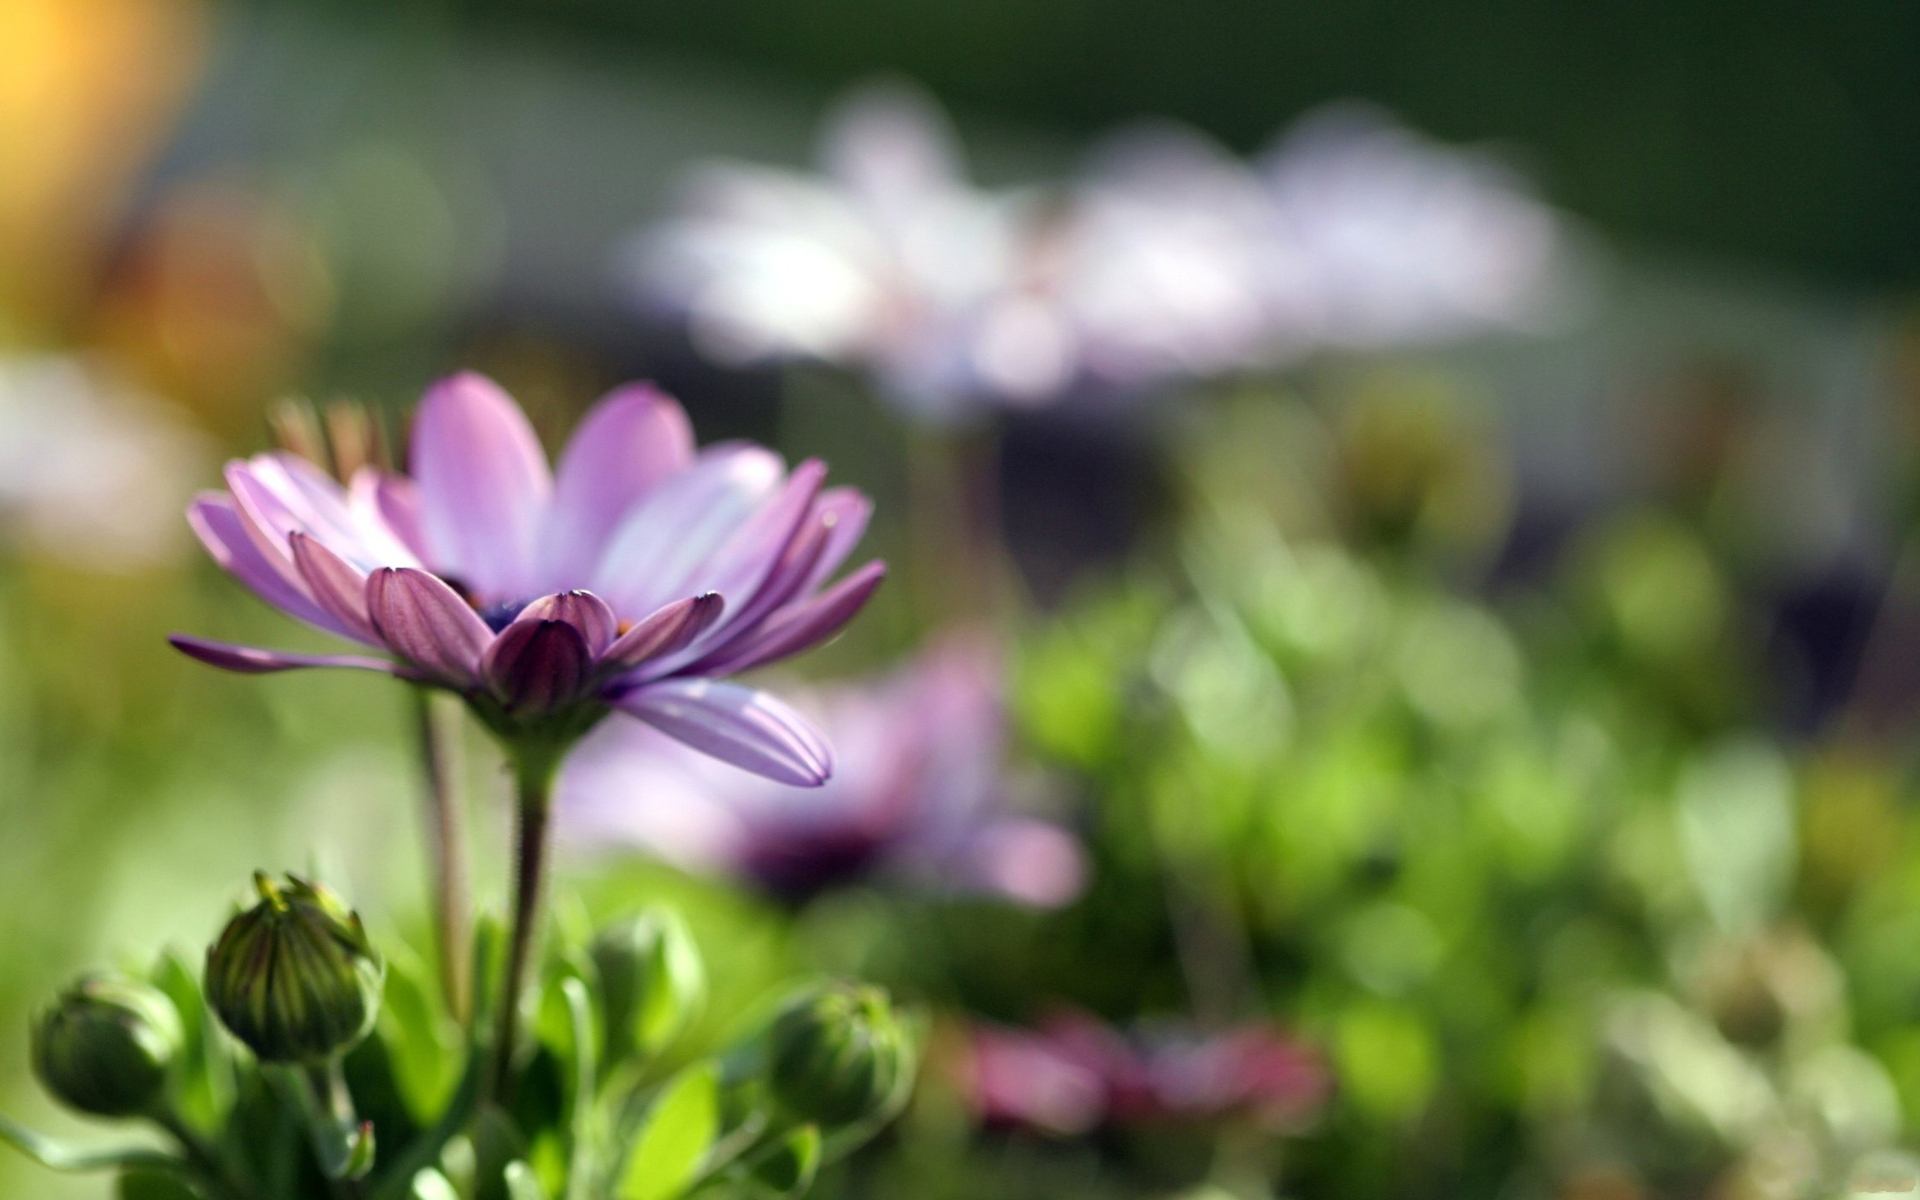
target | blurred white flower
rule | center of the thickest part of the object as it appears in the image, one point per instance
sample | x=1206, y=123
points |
x=1404, y=240
x=1169, y=257
x=887, y=260
x=91, y=472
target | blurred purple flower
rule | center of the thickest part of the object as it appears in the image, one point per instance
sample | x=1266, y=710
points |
x=917, y=796
x=636, y=578
x=1169, y=257
x=888, y=260
x=1403, y=240
x=1076, y=1073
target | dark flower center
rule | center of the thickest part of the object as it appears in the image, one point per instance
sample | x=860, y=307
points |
x=499, y=616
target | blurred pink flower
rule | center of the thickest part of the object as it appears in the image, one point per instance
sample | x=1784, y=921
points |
x=918, y=796
x=1075, y=1073
x=635, y=579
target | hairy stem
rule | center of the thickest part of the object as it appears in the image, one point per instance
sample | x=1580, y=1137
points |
x=447, y=847
x=534, y=776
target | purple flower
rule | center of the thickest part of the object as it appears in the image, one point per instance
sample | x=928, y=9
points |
x=637, y=577
x=1076, y=1073
x=918, y=795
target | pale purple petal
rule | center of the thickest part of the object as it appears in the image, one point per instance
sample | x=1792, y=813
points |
x=782, y=584
x=799, y=627
x=746, y=564
x=267, y=519
x=583, y=610
x=336, y=585
x=536, y=666
x=748, y=728
x=667, y=541
x=667, y=630
x=625, y=447
x=390, y=504
x=846, y=512
x=248, y=660
x=222, y=529
x=427, y=623
x=483, y=485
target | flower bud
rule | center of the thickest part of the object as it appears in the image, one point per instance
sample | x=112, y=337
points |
x=838, y=1055
x=295, y=977
x=651, y=981
x=106, y=1044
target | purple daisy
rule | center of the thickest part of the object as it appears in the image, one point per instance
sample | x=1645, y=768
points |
x=921, y=797
x=637, y=577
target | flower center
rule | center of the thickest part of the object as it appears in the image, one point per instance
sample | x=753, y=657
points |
x=498, y=616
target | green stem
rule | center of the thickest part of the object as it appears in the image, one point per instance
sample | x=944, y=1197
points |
x=534, y=772
x=447, y=848
x=208, y=1164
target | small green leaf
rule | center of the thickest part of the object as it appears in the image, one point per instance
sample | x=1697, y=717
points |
x=788, y=1166
x=60, y=1156
x=521, y=1183
x=423, y=1043
x=203, y=1082
x=430, y=1184
x=147, y=1184
x=678, y=1131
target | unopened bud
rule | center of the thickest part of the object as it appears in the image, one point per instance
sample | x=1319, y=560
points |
x=106, y=1044
x=295, y=977
x=839, y=1055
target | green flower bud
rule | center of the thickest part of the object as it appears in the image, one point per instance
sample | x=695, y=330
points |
x=106, y=1044
x=295, y=977
x=651, y=981
x=838, y=1055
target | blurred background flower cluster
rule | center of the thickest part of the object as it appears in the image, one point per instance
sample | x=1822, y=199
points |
x=1401, y=667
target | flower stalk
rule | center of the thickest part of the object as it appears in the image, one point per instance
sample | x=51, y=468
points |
x=535, y=765
x=452, y=898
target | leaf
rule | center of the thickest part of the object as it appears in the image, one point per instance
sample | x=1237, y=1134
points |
x=144, y=1183
x=203, y=1075
x=58, y=1155
x=521, y=1183
x=787, y=1167
x=423, y=1043
x=675, y=1138
x=430, y=1184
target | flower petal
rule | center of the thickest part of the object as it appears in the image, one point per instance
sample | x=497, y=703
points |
x=336, y=585
x=631, y=441
x=746, y=562
x=790, y=570
x=390, y=503
x=483, y=484
x=248, y=660
x=537, y=666
x=799, y=627
x=670, y=536
x=583, y=610
x=741, y=725
x=846, y=512
x=427, y=623
x=668, y=630
x=222, y=529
